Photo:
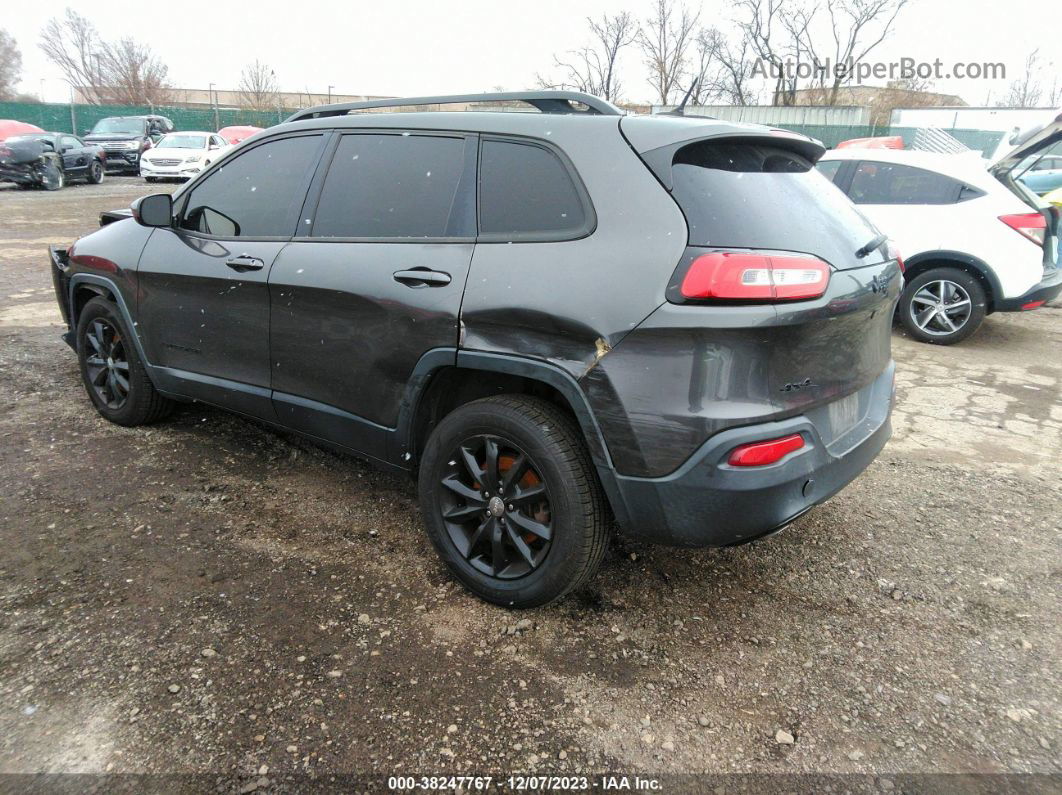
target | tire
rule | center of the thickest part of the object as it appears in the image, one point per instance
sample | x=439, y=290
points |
x=942, y=306
x=54, y=178
x=558, y=492
x=152, y=179
x=95, y=173
x=103, y=347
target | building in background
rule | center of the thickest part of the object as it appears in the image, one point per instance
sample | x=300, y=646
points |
x=879, y=100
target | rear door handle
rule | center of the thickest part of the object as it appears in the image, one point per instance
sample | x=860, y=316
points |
x=244, y=263
x=422, y=277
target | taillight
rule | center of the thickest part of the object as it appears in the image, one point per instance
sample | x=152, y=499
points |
x=760, y=454
x=1031, y=225
x=744, y=276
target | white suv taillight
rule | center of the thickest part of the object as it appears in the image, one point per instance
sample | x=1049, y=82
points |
x=1031, y=225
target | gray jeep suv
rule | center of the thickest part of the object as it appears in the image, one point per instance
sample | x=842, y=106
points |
x=561, y=321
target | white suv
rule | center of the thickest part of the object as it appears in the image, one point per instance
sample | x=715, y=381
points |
x=974, y=240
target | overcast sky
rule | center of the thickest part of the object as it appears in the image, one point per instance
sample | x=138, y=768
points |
x=451, y=46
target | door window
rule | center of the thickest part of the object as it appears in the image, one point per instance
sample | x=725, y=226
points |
x=525, y=191
x=258, y=194
x=396, y=186
x=893, y=183
x=70, y=142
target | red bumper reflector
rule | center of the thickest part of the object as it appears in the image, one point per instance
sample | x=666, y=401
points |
x=760, y=454
x=1033, y=304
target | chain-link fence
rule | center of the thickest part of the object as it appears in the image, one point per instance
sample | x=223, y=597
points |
x=79, y=118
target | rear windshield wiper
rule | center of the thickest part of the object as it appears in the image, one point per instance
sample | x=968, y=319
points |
x=871, y=246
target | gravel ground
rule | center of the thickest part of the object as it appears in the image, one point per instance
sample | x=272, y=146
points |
x=206, y=596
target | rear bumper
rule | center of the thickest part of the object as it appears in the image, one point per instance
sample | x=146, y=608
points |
x=19, y=174
x=1046, y=290
x=706, y=502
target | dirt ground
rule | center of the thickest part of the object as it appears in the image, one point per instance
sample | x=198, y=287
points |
x=206, y=596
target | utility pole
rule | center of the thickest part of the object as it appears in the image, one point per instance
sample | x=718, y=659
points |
x=213, y=101
x=73, y=114
x=330, y=94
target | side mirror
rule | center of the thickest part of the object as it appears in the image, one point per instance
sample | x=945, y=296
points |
x=154, y=210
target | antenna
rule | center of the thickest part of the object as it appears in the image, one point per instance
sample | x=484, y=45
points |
x=681, y=109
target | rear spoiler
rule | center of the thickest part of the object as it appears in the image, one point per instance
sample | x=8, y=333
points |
x=659, y=160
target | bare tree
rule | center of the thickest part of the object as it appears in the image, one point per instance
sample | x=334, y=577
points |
x=724, y=69
x=258, y=87
x=772, y=31
x=1027, y=91
x=73, y=44
x=10, y=65
x=124, y=72
x=134, y=76
x=665, y=39
x=592, y=69
x=857, y=28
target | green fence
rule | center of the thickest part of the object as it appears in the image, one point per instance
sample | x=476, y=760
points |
x=984, y=141
x=79, y=118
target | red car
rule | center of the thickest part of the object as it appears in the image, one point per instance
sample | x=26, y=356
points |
x=10, y=127
x=233, y=135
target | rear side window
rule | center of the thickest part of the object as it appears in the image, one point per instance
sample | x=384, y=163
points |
x=526, y=192
x=741, y=194
x=829, y=169
x=893, y=183
x=258, y=194
x=395, y=186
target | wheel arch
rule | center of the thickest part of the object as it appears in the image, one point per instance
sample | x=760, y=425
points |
x=86, y=286
x=445, y=379
x=979, y=269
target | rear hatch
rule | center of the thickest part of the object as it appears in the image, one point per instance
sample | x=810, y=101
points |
x=782, y=275
x=1007, y=169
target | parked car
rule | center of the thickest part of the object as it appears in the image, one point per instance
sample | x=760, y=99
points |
x=238, y=133
x=126, y=138
x=29, y=163
x=10, y=127
x=182, y=155
x=77, y=160
x=975, y=241
x=554, y=319
x=1041, y=175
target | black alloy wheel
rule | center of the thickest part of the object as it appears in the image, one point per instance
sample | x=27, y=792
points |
x=106, y=363
x=496, y=507
x=511, y=501
x=112, y=371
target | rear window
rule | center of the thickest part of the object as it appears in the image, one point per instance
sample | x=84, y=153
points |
x=742, y=194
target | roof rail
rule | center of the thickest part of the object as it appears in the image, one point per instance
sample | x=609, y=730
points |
x=544, y=101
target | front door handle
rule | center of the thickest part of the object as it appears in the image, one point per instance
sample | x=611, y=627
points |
x=422, y=277
x=244, y=263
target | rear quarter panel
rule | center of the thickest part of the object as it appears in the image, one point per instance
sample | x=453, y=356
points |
x=570, y=302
